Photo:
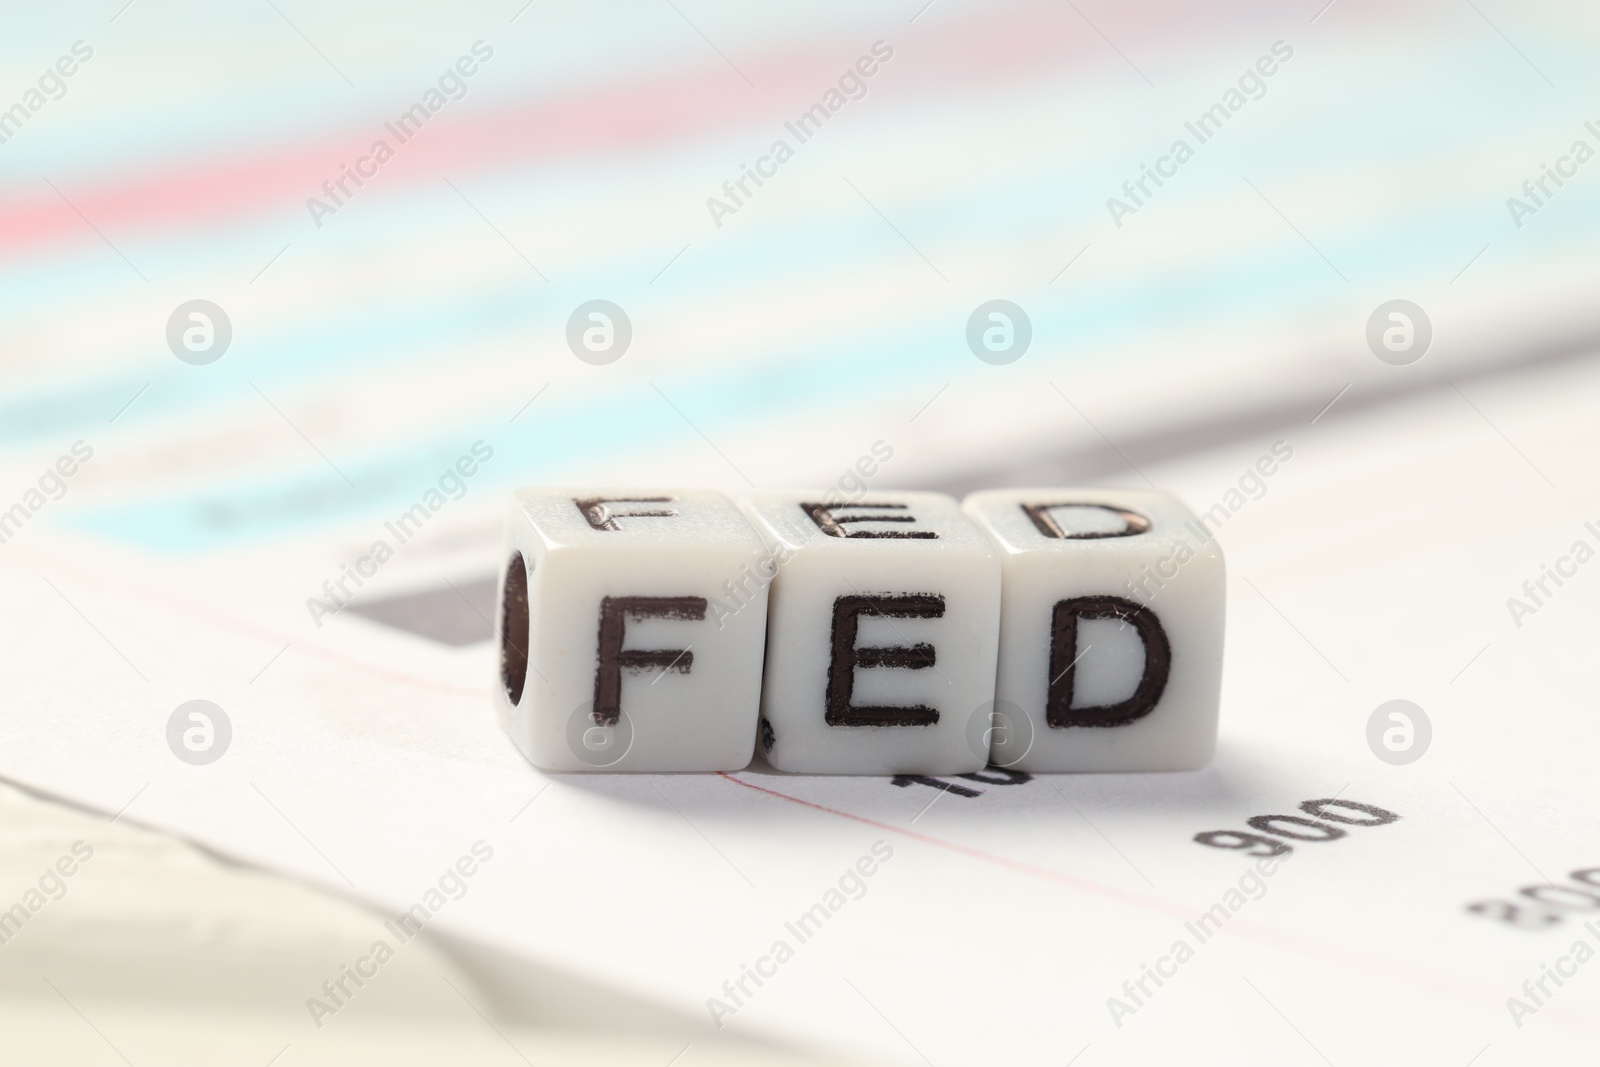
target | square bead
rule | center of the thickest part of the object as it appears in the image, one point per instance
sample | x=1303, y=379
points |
x=621, y=646
x=1110, y=630
x=882, y=627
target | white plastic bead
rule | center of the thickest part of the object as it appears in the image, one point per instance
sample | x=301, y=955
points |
x=882, y=628
x=632, y=624
x=1110, y=630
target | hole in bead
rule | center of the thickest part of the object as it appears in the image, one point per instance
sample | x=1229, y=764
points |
x=514, y=629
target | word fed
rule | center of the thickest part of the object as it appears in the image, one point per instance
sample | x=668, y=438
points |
x=904, y=633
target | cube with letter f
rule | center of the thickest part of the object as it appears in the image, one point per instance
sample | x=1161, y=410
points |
x=632, y=627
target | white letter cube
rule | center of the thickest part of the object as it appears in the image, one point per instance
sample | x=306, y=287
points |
x=632, y=627
x=1110, y=630
x=882, y=627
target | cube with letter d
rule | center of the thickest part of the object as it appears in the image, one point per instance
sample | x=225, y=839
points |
x=632, y=625
x=881, y=634
x=1110, y=630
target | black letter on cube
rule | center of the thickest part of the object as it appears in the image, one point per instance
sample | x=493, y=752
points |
x=1046, y=524
x=602, y=518
x=833, y=525
x=846, y=657
x=1059, y=711
x=614, y=613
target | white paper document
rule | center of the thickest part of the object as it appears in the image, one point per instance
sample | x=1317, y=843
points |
x=1300, y=900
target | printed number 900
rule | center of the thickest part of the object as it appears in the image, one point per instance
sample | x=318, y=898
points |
x=1298, y=828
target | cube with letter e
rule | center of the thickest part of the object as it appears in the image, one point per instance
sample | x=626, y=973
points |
x=1110, y=630
x=881, y=637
